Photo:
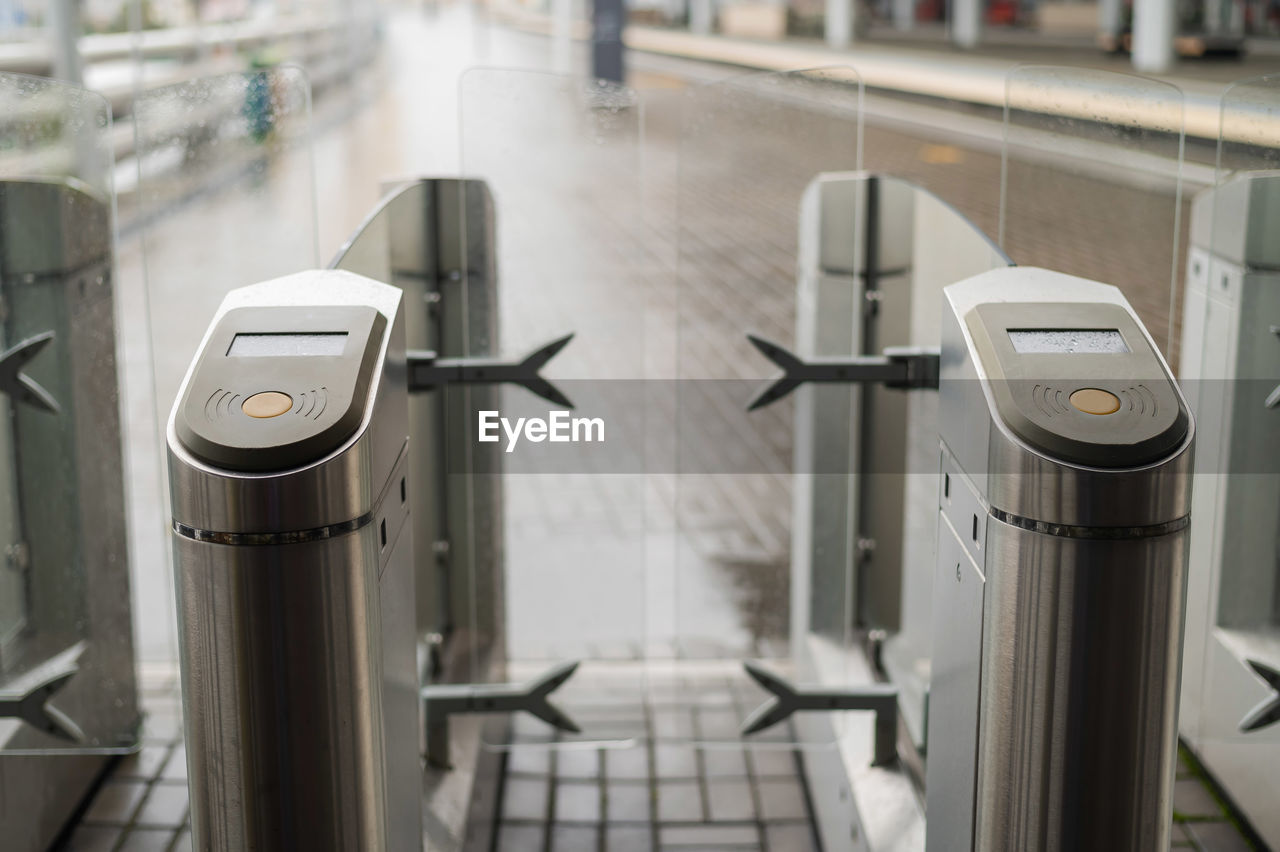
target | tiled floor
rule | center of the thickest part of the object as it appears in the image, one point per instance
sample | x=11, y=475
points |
x=142, y=805
x=683, y=785
x=687, y=783
x=1200, y=820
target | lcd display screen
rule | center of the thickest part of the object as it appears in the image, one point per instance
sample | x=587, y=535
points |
x=1028, y=341
x=288, y=345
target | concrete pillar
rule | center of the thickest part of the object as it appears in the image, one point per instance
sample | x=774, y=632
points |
x=966, y=23
x=839, y=23
x=701, y=16
x=904, y=15
x=1153, y=31
x=64, y=40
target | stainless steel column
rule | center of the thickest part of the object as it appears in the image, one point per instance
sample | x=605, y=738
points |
x=1059, y=589
x=294, y=572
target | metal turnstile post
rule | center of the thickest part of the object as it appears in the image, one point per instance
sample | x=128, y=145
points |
x=1059, y=588
x=288, y=452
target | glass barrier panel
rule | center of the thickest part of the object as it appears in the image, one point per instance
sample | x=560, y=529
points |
x=1092, y=186
x=227, y=194
x=771, y=241
x=558, y=477
x=225, y=198
x=67, y=680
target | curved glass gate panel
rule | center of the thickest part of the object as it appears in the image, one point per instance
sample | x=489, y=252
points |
x=569, y=581
x=225, y=198
x=925, y=246
x=237, y=144
x=771, y=242
x=66, y=645
x=1091, y=183
x=1230, y=371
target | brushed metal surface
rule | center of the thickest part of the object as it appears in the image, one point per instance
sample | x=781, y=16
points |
x=401, y=689
x=1078, y=709
x=955, y=681
x=284, y=744
x=299, y=670
x=1081, y=619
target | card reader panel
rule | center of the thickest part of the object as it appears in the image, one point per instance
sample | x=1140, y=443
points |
x=1078, y=381
x=280, y=387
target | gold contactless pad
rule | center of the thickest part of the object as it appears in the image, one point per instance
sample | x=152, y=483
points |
x=1095, y=401
x=1078, y=381
x=279, y=387
x=267, y=404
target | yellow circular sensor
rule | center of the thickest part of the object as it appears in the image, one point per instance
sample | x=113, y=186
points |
x=1095, y=401
x=267, y=404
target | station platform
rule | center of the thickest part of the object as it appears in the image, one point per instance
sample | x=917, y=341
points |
x=923, y=63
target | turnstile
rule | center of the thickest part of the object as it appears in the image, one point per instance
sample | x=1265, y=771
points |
x=1230, y=367
x=1059, y=590
x=287, y=451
